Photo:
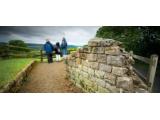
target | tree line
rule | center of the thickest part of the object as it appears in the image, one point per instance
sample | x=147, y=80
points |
x=142, y=40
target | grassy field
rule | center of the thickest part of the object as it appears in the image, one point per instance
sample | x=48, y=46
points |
x=9, y=69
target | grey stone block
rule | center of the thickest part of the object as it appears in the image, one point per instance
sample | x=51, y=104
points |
x=119, y=71
x=92, y=57
x=106, y=68
x=102, y=58
x=116, y=60
x=125, y=83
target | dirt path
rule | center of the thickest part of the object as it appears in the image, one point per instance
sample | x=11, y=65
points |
x=50, y=78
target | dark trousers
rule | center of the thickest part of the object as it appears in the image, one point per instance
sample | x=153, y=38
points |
x=49, y=57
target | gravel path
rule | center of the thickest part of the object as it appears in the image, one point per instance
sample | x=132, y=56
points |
x=49, y=78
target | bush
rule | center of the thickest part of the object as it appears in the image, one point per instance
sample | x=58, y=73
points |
x=19, y=43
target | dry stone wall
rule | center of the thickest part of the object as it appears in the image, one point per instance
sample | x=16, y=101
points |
x=103, y=66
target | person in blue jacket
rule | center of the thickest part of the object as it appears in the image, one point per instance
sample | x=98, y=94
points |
x=64, y=47
x=48, y=47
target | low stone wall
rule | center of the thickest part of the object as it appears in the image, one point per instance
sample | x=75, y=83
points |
x=103, y=66
x=15, y=85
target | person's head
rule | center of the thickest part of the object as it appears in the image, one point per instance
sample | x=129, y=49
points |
x=63, y=39
x=47, y=40
x=57, y=44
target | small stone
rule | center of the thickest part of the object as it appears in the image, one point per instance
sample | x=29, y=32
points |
x=106, y=68
x=102, y=58
x=83, y=56
x=114, y=50
x=94, y=65
x=119, y=71
x=92, y=57
x=94, y=43
x=125, y=83
x=98, y=50
x=86, y=49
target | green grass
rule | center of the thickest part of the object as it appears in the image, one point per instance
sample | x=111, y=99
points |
x=10, y=67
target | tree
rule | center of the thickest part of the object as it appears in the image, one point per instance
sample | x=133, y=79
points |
x=18, y=43
x=143, y=40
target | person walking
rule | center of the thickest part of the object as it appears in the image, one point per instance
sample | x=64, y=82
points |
x=64, y=47
x=48, y=47
x=58, y=51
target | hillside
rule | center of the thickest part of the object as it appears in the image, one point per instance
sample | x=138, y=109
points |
x=40, y=46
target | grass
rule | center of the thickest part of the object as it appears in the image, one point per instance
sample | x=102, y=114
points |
x=10, y=67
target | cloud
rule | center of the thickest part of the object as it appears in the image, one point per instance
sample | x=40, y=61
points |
x=78, y=35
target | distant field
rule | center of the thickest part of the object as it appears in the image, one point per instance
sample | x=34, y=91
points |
x=9, y=69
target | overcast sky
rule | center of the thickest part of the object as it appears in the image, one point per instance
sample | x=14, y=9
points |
x=37, y=34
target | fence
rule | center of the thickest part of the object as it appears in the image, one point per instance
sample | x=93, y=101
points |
x=43, y=55
x=152, y=61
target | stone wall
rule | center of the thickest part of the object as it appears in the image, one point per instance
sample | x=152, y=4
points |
x=14, y=85
x=103, y=66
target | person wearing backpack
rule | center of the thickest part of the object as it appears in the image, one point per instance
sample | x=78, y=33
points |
x=58, y=51
x=64, y=47
x=48, y=47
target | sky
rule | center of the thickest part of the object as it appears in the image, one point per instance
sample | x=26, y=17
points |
x=75, y=35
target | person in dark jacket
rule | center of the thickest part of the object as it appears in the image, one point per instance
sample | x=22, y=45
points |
x=58, y=51
x=48, y=47
x=64, y=47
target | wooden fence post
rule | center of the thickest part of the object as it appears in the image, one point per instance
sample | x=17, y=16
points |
x=152, y=71
x=41, y=52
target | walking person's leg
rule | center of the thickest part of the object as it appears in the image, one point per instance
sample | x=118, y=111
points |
x=51, y=58
x=48, y=58
x=56, y=57
x=59, y=57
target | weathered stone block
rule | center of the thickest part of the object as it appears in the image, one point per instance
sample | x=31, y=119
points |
x=120, y=71
x=99, y=74
x=80, y=50
x=112, y=82
x=92, y=57
x=125, y=83
x=94, y=65
x=105, y=43
x=94, y=43
x=106, y=68
x=114, y=50
x=98, y=50
x=110, y=78
x=116, y=60
x=87, y=49
x=102, y=58
x=83, y=56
